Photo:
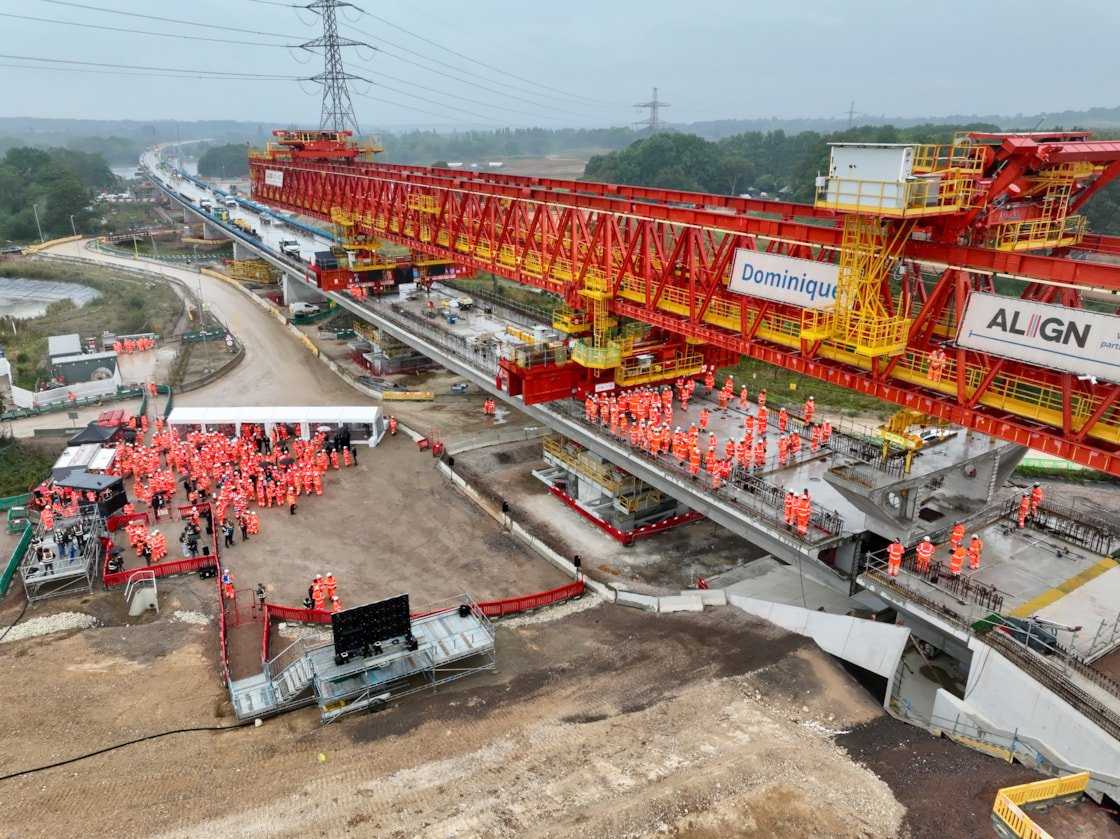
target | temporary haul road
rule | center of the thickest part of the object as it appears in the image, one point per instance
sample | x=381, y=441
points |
x=602, y=721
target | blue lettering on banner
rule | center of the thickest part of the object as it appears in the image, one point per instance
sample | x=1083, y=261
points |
x=790, y=282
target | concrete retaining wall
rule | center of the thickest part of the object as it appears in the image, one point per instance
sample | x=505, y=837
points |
x=214, y=375
x=877, y=647
x=1002, y=699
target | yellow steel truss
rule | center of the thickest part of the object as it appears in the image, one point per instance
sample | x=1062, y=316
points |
x=860, y=319
x=1054, y=227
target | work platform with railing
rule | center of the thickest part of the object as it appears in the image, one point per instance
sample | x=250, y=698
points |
x=63, y=559
x=451, y=639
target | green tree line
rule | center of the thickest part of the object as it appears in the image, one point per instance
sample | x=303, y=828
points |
x=779, y=165
x=228, y=161
x=56, y=183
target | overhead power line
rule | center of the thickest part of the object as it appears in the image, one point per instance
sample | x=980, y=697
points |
x=176, y=35
x=168, y=19
x=147, y=74
x=430, y=61
x=497, y=70
x=194, y=71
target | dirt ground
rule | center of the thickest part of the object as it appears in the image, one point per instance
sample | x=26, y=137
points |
x=600, y=722
x=658, y=565
x=604, y=723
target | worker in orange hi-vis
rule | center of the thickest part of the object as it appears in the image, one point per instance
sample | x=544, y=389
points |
x=1036, y=498
x=783, y=450
x=694, y=461
x=318, y=597
x=815, y=439
x=748, y=424
x=392, y=426
x=762, y=420
x=925, y=555
x=723, y=397
x=956, y=561
x=826, y=432
x=783, y=420
x=743, y=397
x=894, y=558
x=810, y=409
x=762, y=398
x=704, y=419
x=804, y=510
x=1024, y=510
x=715, y=479
x=936, y=360
x=975, y=548
x=709, y=382
x=957, y=536
x=760, y=453
x=336, y=606
x=790, y=508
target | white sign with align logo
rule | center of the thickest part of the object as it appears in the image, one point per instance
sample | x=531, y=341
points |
x=1058, y=337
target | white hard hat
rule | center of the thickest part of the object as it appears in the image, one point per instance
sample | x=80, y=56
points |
x=328, y=573
x=927, y=538
x=225, y=570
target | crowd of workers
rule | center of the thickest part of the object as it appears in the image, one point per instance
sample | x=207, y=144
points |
x=321, y=594
x=229, y=475
x=958, y=552
x=643, y=417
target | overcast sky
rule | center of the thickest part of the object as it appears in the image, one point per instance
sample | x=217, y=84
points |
x=519, y=63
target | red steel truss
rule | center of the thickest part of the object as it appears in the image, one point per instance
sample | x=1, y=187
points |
x=665, y=256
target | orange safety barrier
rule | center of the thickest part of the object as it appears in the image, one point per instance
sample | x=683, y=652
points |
x=160, y=569
x=492, y=609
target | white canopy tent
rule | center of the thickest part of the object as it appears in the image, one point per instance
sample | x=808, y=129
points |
x=365, y=422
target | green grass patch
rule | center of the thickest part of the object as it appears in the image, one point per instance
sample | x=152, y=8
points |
x=117, y=217
x=127, y=305
x=787, y=388
x=1072, y=476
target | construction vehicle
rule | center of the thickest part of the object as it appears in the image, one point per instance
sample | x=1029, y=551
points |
x=290, y=247
x=244, y=227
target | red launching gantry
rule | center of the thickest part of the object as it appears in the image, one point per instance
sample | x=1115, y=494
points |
x=957, y=280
